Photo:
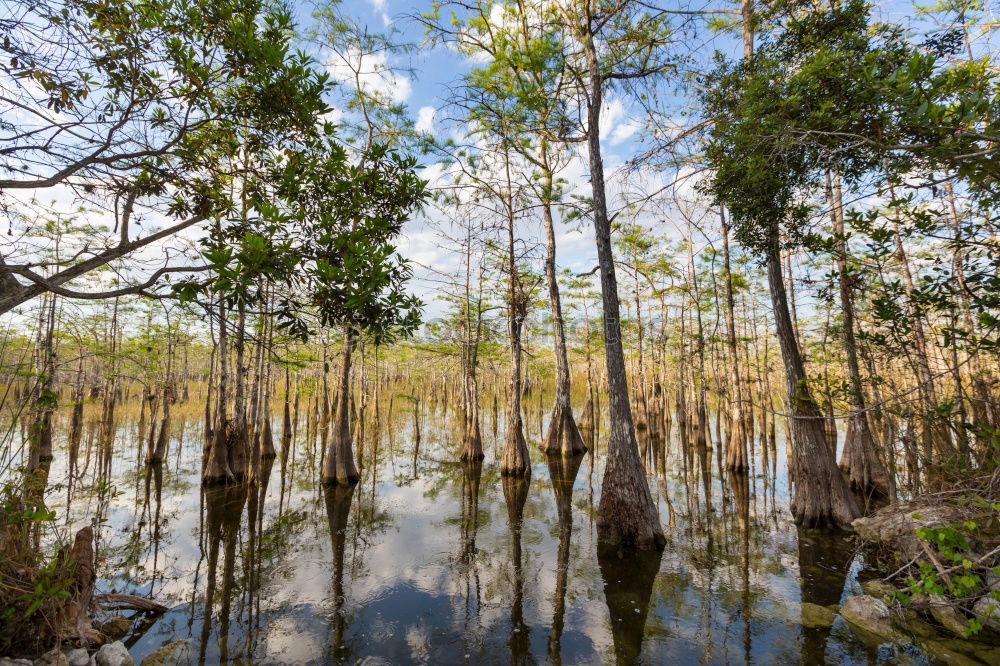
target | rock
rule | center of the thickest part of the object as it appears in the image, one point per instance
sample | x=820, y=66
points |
x=945, y=653
x=113, y=654
x=116, y=628
x=895, y=525
x=987, y=610
x=910, y=622
x=78, y=657
x=10, y=661
x=815, y=616
x=947, y=616
x=878, y=589
x=52, y=658
x=989, y=655
x=171, y=654
x=872, y=615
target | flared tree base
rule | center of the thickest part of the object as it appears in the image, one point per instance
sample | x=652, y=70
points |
x=563, y=435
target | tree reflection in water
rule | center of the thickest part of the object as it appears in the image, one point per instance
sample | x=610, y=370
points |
x=449, y=562
x=224, y=510
x=562, y=472
x=338, y=510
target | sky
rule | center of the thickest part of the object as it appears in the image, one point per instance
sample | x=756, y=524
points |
x=436, y=71
x=439, y=69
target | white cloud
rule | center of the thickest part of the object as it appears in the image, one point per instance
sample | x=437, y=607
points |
x=425, y=119
x=623, y=132
x=334, y=115
x=375, y=76
x=616, y=126
x=611, y=115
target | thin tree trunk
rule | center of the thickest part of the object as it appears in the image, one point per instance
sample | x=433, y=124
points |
x=563, y=434
x=514, y=461
x=860, y=457
x=736, y=450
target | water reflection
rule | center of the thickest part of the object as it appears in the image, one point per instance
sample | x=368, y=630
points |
x=628, y=585
x=562, y=473
x=224, y=509
x=338, y=509
x=515, y=493
x=429, y=560
x=824, y=561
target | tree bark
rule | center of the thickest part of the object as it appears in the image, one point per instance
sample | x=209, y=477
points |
x=472, y=439
x=860, y=457
x=338, y=466
x=736, y=449
x=217, y=462
x=821, y=496
x=626, y=514
x=514, y=461
x=563, y=435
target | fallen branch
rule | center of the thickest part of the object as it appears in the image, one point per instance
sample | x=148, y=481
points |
x=935, y=562
x=116, y=601
x=902, y=568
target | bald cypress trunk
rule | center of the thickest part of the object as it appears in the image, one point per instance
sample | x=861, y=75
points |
x=736, y=445
x=626, y=514
x=821, y=496
x=514, y=460
x=217, y=468
x=736, y=448
x=472, y=439
x=860, y=458
x=563, y=435
x=338, y=464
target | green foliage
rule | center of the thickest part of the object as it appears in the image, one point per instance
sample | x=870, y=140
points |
x=950, y=570
x=782, y=118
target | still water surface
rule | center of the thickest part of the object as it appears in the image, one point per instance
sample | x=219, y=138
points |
x=431, y=561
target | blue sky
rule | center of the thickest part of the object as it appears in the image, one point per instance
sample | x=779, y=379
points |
x=436, y=71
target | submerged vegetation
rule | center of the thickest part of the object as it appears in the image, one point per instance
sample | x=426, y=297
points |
x=780, y=269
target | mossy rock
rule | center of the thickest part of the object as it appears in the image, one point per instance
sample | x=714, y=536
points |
x=878, y=588
x=989, y=655
x=116, y=628
x=944, y=650
x=947, y=616
x=52, y=658
x=871, y=615
x=171, y=654
x=815, y=616
x=912, y=623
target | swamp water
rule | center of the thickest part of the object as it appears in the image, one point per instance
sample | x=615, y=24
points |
x=431, y=561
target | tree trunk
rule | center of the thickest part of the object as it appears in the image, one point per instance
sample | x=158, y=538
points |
x=238, y=441
x=860, y=458
x=338, y=466
x=472, y=439
x=736, y=450
x=217, y=461
x=821, y=496
x=563, y=435
x=626, y=514
x=514, y=461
